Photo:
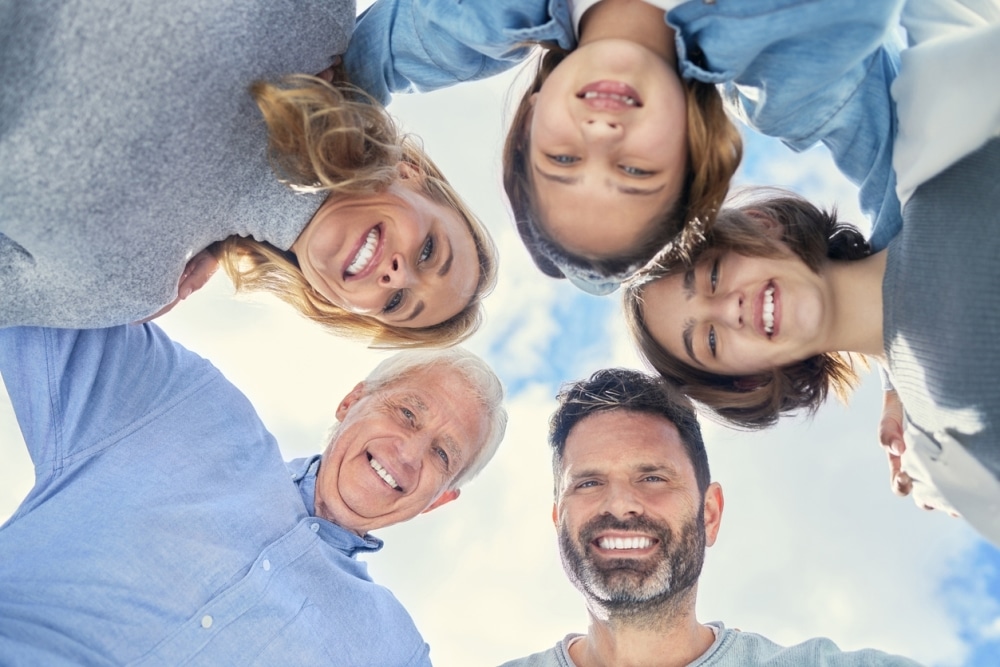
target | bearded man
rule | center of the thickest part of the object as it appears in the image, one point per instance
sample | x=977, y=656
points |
x=635, y=508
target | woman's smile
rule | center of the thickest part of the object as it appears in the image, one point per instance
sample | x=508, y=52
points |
x=366, y=256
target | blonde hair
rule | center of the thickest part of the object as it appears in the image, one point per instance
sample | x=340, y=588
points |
x=334, y=138
x=715, y=148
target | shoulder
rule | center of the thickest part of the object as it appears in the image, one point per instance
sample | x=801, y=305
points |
x=748, y=648
x=557, y=656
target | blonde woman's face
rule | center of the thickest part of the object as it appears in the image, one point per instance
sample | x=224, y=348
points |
x=608, y=147
x=397, y=256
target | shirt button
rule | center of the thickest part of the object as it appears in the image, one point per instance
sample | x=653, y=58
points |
x=266, y=565
x=314, y=528
x=206, y=621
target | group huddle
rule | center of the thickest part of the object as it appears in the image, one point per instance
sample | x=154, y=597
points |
x=143, y=144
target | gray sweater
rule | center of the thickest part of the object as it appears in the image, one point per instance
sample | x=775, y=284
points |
x=129, y=142
x=733, y=648
x=941, y=319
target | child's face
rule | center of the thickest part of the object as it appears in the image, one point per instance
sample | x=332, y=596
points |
x=608, y=147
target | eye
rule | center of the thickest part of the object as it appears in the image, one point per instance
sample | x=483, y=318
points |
x=408, y=415
x=394, y=302
x=713, y=277
x=564, y=160
x=635, y=171
x=653, y=478
x=589, y=484
x=427, y=251
x=444, y=456
x=711, y=340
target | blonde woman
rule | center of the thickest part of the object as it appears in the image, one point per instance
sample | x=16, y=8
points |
x=134, y=136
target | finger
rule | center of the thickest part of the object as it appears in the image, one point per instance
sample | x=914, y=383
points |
x=899, y=480
x=890, y=435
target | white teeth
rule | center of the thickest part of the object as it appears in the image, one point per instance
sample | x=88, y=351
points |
x=384, y=474
x=593, y=94
x=624, y=542
x=364, y=255
x=769, y=310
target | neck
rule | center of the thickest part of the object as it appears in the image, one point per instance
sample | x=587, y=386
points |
x=857, y=307
x=634, y=20
x=670, y=636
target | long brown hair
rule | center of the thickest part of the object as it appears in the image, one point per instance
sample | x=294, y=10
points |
x=333, y=138
x=714, y=152
x=757, y=400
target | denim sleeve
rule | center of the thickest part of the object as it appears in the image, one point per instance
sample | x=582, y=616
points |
x=422, y=45
x=807, y=72
x=75, y=392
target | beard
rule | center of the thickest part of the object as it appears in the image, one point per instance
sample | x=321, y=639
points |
x=633, y=587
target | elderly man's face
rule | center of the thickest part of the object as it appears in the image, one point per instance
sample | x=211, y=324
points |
x=397, y=450
x=632, y=524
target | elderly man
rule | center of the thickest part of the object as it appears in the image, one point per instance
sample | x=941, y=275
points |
x=635, y=510
x=164, y=528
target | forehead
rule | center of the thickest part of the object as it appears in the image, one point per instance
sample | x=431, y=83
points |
x=445, y=401
x=624, y=439
x=665, y=308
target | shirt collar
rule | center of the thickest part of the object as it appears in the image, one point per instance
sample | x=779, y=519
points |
x=303, y=472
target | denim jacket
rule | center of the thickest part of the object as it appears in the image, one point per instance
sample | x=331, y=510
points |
x=804, y=71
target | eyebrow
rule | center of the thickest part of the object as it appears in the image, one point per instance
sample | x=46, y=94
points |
x=670, y=470
x=446, y=264
x=687, y=336
x=442, y=272
x=454, y=453
x=624, y=189
x=689, y=279
x=565, y=180
x=641, y=468
x=629, y=190
x=417, y=309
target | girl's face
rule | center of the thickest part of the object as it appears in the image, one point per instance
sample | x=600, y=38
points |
x=397, y=256
x=608, y=147
x=735, y=315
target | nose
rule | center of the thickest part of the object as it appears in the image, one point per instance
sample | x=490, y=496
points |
x=395, y=273
x=725, y=309
x=621, y=501
x=408, y=453
x=602, y=130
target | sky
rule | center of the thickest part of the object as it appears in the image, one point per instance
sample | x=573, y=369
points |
x=813, y=543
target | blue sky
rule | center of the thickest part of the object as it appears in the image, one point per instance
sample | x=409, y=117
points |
x=812, y=541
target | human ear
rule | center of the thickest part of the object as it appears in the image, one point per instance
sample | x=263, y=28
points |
x=555, y=515
x=714, y=502
x=770, y=226
x=532, y=99
x=353, y=397
x=408, y=170
x=444, y=498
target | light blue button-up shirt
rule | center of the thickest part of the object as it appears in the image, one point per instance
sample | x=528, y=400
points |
x=164, y=527
x=800, y=70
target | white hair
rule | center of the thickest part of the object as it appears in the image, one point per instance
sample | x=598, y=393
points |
x=484, y=384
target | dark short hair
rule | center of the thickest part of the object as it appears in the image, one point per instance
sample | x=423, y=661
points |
x=626, y=389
